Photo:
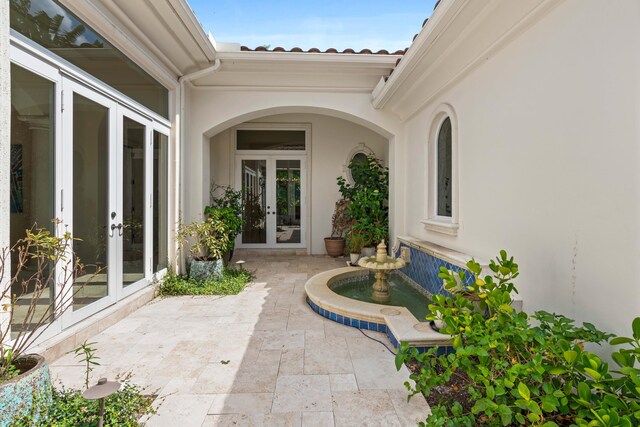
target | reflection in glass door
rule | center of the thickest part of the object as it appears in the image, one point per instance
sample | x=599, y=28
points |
x=254, y=190
x=91, y=199
x=32, y=179
x=288, y=201
x=133, y=196
x=273, y=191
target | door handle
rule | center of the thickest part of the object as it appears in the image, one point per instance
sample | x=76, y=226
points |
x=113, y=227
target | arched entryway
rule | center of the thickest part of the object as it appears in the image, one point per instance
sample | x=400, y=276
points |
x=289, y=162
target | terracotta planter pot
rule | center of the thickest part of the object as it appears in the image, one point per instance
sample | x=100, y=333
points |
x=27, y=394
x=334, y=246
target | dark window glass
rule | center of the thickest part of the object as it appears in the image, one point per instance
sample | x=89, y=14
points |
x=51, y=25
x=90, y=199
x=133, y=206
x=31, y=189
x=288, y=198
x=444, y=169
x=254, y=190
x=270, y=139
x=357, y=160
x=160, y=200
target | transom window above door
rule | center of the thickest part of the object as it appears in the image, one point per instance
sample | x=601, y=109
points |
x=270, y=140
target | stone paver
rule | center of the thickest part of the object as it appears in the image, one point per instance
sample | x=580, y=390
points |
x=260, y=358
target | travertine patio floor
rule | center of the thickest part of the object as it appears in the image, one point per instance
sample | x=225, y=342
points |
x=260, y=358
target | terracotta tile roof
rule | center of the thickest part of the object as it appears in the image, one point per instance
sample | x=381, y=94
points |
x=316, y=50
x=346, y=51
x=414, y=37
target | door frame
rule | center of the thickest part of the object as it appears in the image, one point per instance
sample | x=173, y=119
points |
x=236, y=177
x=69, y=87
x=27, y=54
x=122, y=112
x=271, y=224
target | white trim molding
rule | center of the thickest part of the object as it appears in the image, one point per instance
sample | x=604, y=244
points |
x=433, y=221
x=360, y=148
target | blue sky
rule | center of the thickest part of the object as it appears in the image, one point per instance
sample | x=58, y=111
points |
x=341, y=24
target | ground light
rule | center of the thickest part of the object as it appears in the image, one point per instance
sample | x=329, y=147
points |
x=100, y=391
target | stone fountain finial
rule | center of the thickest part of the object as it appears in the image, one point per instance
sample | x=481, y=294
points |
x=381, y=265
x=381, y=254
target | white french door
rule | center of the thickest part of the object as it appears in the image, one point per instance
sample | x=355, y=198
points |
x=98, y=163
x=107, y=175
x=273, y=189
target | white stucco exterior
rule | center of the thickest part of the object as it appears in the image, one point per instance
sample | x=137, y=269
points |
x=548, y=160
x=5, y=119
x=546, y=97
x=348, y=114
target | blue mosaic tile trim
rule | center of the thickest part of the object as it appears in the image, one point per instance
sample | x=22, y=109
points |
x=372, y=326
x=442, y=350
x=348, y=321
x=27, y=394
x=424, y=269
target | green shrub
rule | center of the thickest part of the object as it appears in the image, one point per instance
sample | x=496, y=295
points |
x=520, y=369
x=232, y=282
x=69, y=409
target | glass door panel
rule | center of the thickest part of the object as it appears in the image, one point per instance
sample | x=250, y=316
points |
x=288, y=202
x=133, y=200
x=31, y=194
x=273, y=191
x=160, y=201
x=91, y=199
x=254, y=189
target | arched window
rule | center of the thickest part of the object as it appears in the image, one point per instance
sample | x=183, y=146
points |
x=445, y=170
x=441, y=205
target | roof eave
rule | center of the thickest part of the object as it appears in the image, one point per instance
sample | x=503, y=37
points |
x=386, y=88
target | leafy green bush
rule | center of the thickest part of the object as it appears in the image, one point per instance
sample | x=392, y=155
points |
x=227, y=205
x=69, y=409
x=368, y=196
x=232, y=282
x=519, y=369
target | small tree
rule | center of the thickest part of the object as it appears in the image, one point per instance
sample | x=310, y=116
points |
x=35, y=258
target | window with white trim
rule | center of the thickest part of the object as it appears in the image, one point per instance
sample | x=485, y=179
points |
x=445, y=166
x=442, y=198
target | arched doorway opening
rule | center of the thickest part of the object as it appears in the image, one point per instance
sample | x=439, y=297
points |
x=289, y=163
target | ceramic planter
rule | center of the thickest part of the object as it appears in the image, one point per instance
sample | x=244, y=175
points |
x=354, y=258
x=28, y=393
x=334, y=246
x=201, y=270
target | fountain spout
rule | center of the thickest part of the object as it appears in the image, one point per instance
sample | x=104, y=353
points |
x=381, y=264
x=381, y=253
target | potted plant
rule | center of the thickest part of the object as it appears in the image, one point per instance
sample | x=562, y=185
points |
x=227, y=204
x=340, y=224
x=27, y=272
x=356, y=242
x=369, y=196
x=208, y=241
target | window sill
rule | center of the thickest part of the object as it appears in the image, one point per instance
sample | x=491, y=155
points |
x=440, y=226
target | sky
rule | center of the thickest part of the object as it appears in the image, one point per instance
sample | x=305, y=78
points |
x=341, y=24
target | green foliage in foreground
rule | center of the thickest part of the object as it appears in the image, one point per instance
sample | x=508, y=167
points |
x=232, y=282
x=70, y=409
x=520, y=369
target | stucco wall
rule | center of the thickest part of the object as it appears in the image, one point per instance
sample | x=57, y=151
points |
x=5, y=133
x=332, y=140
x=5, y=119
x=211, y=111
x=548, y=155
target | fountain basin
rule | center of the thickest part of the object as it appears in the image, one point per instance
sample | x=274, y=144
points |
x=397, y=322
x=401, y=293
